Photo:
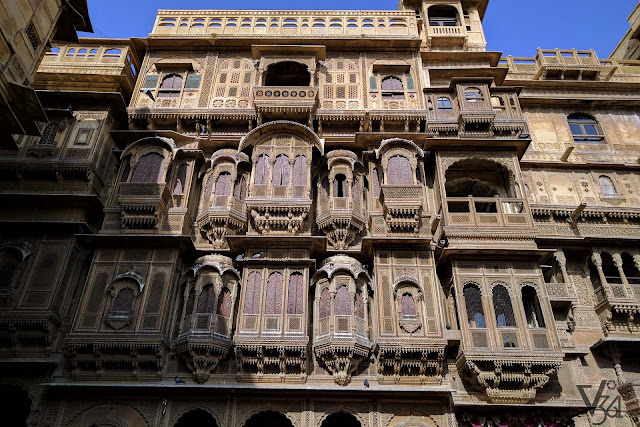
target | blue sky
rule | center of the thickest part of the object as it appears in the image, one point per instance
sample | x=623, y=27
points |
x=515, y=27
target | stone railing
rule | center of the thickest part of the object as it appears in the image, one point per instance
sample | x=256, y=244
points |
x=446, y=31
x=487, y=212
x=85, y=57
x=286, y=23
x=533, y=68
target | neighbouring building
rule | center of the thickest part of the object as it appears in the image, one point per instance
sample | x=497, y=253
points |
x=323, y=218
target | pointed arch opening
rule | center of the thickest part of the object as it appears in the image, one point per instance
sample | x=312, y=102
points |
x=473, y=302
x=341, y=419
x=532, y=307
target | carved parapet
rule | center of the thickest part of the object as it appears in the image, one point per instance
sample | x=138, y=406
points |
x=277, y=362
x=619, y=316
x=28, y=337
x=126, y=358
x=287, y=218
x=285, y=98
x=413, y=363
x=142, y=204
x=508, y=379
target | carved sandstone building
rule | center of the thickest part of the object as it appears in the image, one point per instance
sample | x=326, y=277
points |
x=323, y=218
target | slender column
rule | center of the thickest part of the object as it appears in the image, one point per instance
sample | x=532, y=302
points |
x=617, y=260
x=597, y=261
x=562, y=262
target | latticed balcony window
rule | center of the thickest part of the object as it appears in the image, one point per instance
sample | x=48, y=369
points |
x=252, y=294
x=170, y=87
x=49, y=134
x=273, y=296
x=408, y=305
x=148, y=168
x=281, y=171
x=224, y=303
x=324, y=306
x=585, y=129
x=342, y=303
x=123, y=303
x=392, y=88
x=294, y=301
x=399, y=171
x=262, y=170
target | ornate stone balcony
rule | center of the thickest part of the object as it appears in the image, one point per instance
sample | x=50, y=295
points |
x=142, y=204
x=285, y=24
x=341, y=218
x=227, y=214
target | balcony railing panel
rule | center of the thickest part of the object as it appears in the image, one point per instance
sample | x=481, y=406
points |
x=487, y=211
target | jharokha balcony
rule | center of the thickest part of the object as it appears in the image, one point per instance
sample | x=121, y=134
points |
x=482, y=198
x=615, y=277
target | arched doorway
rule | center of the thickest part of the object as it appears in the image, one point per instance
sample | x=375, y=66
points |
x=268, y=419
x=287, y=73
x=196, y=418
x=15, y=405
x=341, y=419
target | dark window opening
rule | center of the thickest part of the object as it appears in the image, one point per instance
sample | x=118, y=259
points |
x=532, y=308
x=443, y=16
x=502, y=307
x=473, y=301
x=287, y=73
x=340, y=180
x=585, y=129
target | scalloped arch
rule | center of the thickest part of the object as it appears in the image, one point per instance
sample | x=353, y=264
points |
x=166, y=143
x=281, y=126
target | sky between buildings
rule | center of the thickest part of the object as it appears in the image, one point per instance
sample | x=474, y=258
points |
x=515, y=27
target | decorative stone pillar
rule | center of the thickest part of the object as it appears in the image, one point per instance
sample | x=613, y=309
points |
x=617, y=260
x=597, y=261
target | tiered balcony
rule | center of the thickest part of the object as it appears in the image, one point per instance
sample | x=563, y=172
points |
x=402, y=205
x=225, y=214
x=275, y=24
x=341, y=218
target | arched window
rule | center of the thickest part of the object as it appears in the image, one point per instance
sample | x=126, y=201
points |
x=399, y=171
x=240, y=188
x=442, y=16
x=252, y=293
x=408, y=305
x=181, y=179
x=294, y=300
x=273, y=296
x=497, y=103
x=189, y=309
x=444, y=104
x=148, y=168
x=281, y=171
x=324, y=306
x=502, y=307
x=359, y=305
x=49, y=134
x=126, y=169
x=342, y=304
x=300, y=171
x=10, y=261
x=339, y=182
x=224, y=303
x=123, y=303
x=607, y=187
x=392, y=88
x=473, y=302
x=585, y=129
x=263, y=168
x=287, y=73
x=223, y=184
x=532, y=308
x=206, y=300
x=170, y=87
x=473, y=95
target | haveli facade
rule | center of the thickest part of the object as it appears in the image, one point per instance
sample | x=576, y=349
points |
x=323, y=218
